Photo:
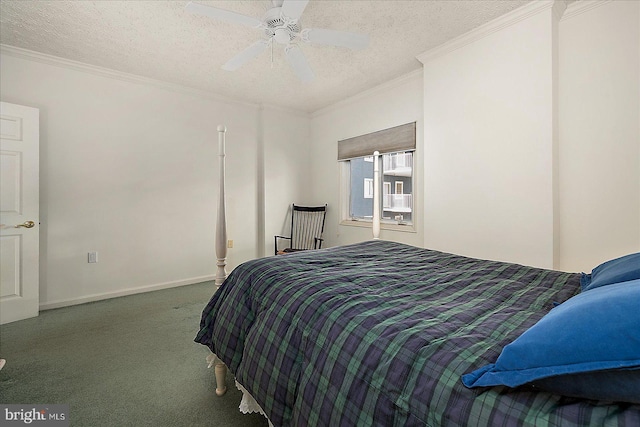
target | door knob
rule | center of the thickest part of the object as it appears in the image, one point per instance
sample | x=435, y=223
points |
x=26, y=224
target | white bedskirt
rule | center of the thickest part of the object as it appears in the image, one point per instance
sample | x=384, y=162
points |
x=248, y=404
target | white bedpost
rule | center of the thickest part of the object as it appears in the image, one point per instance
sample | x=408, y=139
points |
x=221, y=225
x=376, y=196
x=220, y=368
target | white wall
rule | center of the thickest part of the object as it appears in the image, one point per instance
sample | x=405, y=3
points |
x=288, y=178
x=532, y=139
x=488, y=145
x=129, y=168
x=599, y=134
x=392, y=104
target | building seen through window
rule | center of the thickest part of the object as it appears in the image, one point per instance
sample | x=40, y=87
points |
x=396, y=185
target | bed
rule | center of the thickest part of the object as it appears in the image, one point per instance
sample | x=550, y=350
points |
x=382, y=333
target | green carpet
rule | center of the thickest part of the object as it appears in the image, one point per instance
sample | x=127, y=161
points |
x=128, y=361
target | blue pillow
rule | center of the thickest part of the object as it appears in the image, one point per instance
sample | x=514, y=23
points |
x=614, y=271
x=595, y=331
x=615, y=385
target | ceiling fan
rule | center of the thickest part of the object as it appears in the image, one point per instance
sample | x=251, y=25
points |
x=280, y=25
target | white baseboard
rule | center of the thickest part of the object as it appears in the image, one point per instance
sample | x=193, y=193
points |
x=125, y=292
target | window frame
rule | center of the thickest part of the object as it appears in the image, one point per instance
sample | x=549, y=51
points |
x=385, y=224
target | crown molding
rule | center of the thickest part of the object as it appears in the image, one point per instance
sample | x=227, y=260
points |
x=581, y=6
x=120, y=75
x=531, y=9
x=388, y=85
x=558, y=8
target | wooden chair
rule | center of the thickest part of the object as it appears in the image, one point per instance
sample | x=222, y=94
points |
x=307, y=225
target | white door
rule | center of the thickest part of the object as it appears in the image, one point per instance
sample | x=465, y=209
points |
x=19, y=212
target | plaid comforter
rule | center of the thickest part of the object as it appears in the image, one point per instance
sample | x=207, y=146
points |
x=379, y=333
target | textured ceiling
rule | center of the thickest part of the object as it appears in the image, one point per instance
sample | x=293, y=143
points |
x=159, y=40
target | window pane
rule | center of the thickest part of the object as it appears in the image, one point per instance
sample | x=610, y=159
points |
x=396, y=187
x=361, y=172
x=397, y=173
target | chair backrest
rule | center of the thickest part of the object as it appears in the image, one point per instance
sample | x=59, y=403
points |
x=307, y=224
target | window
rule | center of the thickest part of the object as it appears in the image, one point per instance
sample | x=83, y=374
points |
x=386, y=190
x=396, y=167
x=368, y=188
x=397, y=206
x=399, y=187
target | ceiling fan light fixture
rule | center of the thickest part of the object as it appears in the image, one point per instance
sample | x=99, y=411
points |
x=282, y=36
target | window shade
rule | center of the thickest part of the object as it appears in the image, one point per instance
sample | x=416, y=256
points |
x=399, y=138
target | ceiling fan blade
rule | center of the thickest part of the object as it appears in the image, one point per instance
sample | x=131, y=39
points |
x=335, y=38
x=246, y=55
x=225, y=15
x=299, y=63
x=293, y=8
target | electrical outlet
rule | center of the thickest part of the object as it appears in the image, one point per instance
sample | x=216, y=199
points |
x=92, y=257
x=229, y=243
